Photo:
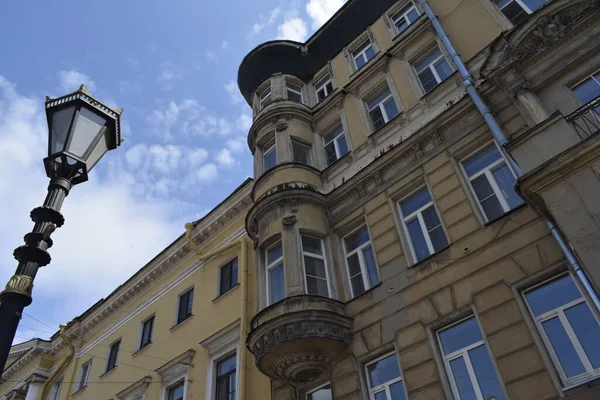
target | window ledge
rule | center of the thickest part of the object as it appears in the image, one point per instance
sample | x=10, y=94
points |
x=387, y=124
x=219, y=297
x=509, y=212
x=107, y=372
x=177, y=325
x=454, y=76
x=428, y=258
x=75, y=393
x=334, y=164
x=142, y=349
x=365, y=292
x=595, y=379
x=401, y=35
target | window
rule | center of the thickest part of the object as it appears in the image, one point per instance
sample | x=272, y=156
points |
x=229, y=276
x=363, y=53
x=269, y=155
x=423, y=227
x=147, y=327
x=294, y=92
x=113, y=353
x=315, y=267
x=176, y=391
x=517, y=10
x=589, y=90
x=468, y=363
x=568, y=328
x=385, y=382
x=84, y=375
x=360, y=258
x=301, y=152
x=275, y=277
x=493, y=182
x=382, y=108
x=432, y=70
x=226, y=379
x=56, y=390
x=335, y=144
x=184, y=309
x=323, y=392
x=265, y=97
x=406, y=16
x=323, y=87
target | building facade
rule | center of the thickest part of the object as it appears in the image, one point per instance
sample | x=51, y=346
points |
x=422, y=224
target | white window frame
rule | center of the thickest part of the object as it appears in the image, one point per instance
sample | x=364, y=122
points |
x=141, y=336
x=327, y=80
x=431, y=68
x=221, y=345
x=362, y=53
x=464, y=352
x=174, y=385
x=317, y=256
x=267, y=150
x=175, y=372
x=84, y=374
x=336, y=145
x=311, y=391
x=487, y=171
x=272, y=265
x=361, y=260
x=264, y=98
x=308, y=147
x=386, y=385
x=56, y=387
x=590, y=373
x=589, y=77
x=419, y=215
x=214, y=369
x=289, y=89
x=407, y=8
x=524, y=6
x=379, y=105
x=115, y=342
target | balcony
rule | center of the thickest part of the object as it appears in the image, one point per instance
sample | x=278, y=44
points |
x=586, y=120
x=299, y=338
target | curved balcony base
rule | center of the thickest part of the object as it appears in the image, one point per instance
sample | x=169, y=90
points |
x=298, y=339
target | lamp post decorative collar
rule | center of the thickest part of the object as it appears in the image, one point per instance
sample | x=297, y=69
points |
x=80, y=130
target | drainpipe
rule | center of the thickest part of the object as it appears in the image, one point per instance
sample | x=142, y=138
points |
x=62, y=364
x=243, y=264
x=502, y=139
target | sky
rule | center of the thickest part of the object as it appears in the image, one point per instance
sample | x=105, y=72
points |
x=172, y=65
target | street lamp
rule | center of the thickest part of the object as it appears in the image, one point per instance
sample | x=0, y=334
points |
x=81, y=130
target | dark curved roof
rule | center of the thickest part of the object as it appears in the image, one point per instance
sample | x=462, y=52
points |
x=288, y=57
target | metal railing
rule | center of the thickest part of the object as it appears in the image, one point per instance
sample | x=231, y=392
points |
x=586, y=119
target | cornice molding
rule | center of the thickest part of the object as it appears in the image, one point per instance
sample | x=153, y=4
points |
x=220, y=341
x=274, y=112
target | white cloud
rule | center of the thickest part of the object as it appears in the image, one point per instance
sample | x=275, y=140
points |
x=225, y=159
x=234, y=93
x=244, y=122
x=225, y=45
x=207, y=172
x=211, y=56
x=264, y=21
x=293, y=29
x=71, y=80
x=109, y=232
x=321, y=10
x=236, y=145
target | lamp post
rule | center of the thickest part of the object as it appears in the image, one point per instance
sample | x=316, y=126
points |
x=81, y=130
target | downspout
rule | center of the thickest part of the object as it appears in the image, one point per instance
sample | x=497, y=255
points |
x=62, y=364
x=502, y=139
x=243, y=263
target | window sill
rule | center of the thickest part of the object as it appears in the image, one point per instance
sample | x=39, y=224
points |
x=141, y=349
x=219, y=297
x=591, y=379
x=75, y=393
x=509, y=212
x=365, y=292
x=358, y=71
x=425, y=97
x=107, y=372
x=428, y=258
x=177, y=325
x=336, y=162
x=409, y=29
x=386, y=125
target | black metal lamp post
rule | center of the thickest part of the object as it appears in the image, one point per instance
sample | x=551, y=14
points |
x=81, y=131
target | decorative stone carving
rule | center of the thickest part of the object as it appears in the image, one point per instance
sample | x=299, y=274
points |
x=289, y=220
x=299, y=338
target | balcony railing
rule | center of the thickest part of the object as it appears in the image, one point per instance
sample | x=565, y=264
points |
x=586, y=120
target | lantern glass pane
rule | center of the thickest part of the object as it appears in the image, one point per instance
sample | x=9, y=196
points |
x=99, y=150
x=61, y=120
x=87, y=127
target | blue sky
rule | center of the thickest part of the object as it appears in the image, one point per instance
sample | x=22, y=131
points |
x=172, y=65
